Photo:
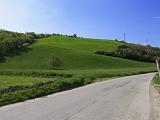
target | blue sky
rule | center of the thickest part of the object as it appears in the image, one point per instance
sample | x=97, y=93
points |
x=139, y=19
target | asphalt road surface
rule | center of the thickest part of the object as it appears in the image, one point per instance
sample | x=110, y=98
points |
x=124, y=98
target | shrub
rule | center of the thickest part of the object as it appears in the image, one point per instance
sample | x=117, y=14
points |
x=134, y=52
x=55, y=62
x=14, y=41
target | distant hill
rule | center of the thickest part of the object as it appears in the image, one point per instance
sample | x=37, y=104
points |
x=76, y=53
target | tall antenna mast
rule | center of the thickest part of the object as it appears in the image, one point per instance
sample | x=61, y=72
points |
x=124, y=37
x=147, y=41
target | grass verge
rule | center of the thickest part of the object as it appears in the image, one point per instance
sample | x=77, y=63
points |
x=156, y=81
x=7, y=81
x=58, y=85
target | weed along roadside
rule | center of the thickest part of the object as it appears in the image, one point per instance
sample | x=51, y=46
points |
x=156, y=79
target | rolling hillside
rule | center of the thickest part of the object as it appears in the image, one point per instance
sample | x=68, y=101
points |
x=76, y=53
x=27, y=75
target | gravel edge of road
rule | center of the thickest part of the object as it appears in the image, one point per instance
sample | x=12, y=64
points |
x=155, y=102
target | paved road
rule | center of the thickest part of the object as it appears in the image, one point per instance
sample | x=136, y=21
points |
x=124, y=98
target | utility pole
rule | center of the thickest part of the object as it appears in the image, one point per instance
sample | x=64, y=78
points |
x=147, y=42
x=158, y=65
x=124, y=37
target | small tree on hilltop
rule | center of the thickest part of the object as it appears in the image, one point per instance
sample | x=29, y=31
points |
x=55, y=62
x=75, y=35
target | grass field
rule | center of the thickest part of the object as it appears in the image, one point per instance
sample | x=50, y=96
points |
x=6, y=81
x=81, y=67
x=77, y=54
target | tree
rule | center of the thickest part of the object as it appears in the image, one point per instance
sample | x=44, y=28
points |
x=55, y=62
x=31, y=34
x=75, y=35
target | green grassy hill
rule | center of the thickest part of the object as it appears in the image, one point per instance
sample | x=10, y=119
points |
x=76, y=53
x=27, y=75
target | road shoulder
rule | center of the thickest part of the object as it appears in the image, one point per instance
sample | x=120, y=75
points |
x=155, y=101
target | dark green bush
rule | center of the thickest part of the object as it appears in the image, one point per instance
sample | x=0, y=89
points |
x=134, y=52
x=89, y=80
x=11, y=42
x=55, y=62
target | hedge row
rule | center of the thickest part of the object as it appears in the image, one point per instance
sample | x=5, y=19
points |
x=40, y=74
x=134, y=52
